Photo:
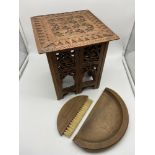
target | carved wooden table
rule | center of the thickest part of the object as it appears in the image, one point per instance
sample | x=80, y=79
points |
x=76, y=44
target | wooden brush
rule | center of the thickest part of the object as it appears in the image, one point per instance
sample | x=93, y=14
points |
x=105, y=125
x=71, y=114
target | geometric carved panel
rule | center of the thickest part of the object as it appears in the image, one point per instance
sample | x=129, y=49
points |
x=75, y=44
x=76, y=69
x=65, y=63
x=69, y=30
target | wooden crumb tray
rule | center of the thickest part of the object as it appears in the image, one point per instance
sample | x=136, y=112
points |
x=106, y=123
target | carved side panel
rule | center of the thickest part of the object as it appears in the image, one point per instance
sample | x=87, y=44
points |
x=92, y=53
x=66, y=69
x=66, y=63
x=90, y=67
x=76, y=69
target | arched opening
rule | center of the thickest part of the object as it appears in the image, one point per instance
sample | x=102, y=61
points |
x=68, y=81
x=87, y=76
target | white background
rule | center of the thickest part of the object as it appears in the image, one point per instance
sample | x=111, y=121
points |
x=117, y=14
x=38, y=104
x=39, y=107
x=145, y=83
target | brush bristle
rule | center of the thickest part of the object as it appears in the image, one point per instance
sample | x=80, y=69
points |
x=74, y=123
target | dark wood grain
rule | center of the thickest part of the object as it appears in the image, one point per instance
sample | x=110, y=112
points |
x=76, y=63
x=76, y=44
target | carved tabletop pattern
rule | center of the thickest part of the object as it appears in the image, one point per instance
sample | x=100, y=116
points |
x=62, y=31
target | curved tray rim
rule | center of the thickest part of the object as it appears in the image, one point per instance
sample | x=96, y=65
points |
x=113, y=140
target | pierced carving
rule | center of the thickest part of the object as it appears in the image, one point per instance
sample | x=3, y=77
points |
x=92, y=53
x=75, y=44
x=91, y=57
x=91, y=70
x=76, y=69
x=65, y=63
